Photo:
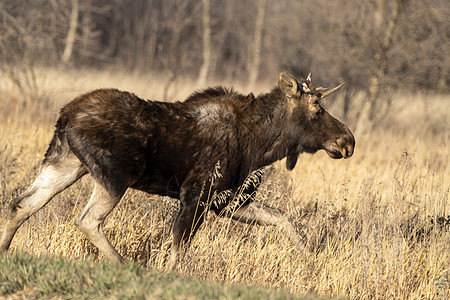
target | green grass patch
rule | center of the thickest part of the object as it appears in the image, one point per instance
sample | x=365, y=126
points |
x=30, y=277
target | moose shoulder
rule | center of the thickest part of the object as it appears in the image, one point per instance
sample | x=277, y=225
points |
x=172, y=148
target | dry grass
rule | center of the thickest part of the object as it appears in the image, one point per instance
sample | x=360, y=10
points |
x=377, y=225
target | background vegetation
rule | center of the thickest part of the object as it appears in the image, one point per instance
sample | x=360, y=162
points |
x=376, y=46
x=377, y=225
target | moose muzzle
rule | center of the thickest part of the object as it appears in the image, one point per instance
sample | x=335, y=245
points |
x=346, y=145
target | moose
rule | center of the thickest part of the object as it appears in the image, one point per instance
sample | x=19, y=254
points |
x=170, y=149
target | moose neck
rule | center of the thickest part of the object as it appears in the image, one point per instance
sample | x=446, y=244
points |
x=267, y=125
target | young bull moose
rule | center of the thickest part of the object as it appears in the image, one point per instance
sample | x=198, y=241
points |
x=171, y=148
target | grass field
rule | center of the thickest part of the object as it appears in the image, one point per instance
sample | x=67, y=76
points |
x=49, y=277
x=377, y=225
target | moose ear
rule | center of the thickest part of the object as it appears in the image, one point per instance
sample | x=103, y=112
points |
x=288, y=84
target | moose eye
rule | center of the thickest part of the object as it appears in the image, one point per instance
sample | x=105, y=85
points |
x=317, y=113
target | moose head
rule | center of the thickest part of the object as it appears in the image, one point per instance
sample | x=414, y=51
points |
x=311, y=126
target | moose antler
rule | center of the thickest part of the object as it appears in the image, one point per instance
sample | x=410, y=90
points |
x=325, y=92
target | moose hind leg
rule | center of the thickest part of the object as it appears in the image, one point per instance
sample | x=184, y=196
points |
x=91, y=219
x=53, y=178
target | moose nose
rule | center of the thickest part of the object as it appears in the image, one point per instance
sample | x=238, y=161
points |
x=347, y=145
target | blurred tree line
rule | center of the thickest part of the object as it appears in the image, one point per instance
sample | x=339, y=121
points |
x=376, y=46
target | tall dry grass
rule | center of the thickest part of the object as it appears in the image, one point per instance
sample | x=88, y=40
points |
x=376, y=225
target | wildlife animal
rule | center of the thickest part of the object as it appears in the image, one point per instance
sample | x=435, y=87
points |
x=171, y=149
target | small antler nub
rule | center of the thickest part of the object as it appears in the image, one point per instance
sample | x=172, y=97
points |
x=327, y=92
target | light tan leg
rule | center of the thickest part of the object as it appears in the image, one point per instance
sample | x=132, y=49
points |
x=52, y=179
x=261, y=214
x=91, y=219
x=173, y=260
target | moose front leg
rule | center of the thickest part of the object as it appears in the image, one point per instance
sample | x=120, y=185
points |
x=186, y=224
x=261, y=214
